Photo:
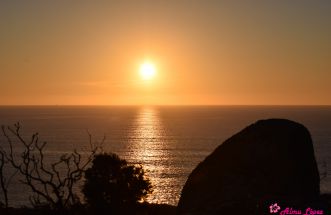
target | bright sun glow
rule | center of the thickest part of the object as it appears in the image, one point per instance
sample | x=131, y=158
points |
x=147, y=71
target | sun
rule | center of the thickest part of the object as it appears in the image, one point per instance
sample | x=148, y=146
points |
x=147, y=70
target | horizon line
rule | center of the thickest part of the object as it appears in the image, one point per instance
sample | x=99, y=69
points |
x=135, y=105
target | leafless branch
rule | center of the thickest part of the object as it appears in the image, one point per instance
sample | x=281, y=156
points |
x=53, y=183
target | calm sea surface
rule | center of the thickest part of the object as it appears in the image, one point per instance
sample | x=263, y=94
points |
x=168, y=141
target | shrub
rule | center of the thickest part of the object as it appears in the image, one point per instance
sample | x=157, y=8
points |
x=114, y=184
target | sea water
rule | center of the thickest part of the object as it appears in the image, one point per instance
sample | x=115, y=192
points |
x=169, y=141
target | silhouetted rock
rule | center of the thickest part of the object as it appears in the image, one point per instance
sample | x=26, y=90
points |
x=269, y=161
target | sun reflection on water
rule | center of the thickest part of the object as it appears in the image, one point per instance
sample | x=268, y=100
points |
x=147, y=132
x=148, y=146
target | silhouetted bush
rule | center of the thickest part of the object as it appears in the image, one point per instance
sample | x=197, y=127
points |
x=52, y=184
x=112, y=184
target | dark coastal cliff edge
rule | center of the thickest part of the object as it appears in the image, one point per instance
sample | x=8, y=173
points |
x=265, y=168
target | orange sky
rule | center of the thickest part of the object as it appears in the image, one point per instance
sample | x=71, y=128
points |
x=206, y=52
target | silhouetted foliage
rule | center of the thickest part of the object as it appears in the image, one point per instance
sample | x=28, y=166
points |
x=52, y=184
x=114, y=184
x=111, y=184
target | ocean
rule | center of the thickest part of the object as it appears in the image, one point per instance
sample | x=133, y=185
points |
x=169, y=141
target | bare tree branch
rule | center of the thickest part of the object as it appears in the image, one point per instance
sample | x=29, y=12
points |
x=53, y=183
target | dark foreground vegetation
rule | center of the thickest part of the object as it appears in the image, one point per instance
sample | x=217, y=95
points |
x=110, y=184
x=139, y=209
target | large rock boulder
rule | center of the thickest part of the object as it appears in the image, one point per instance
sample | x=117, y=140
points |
x=269, y=161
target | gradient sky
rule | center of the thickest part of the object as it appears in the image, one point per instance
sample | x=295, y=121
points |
x=206, y=52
